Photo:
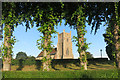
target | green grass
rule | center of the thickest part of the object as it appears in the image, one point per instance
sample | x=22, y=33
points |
x=69, y=66
x=95, y=70
x=62, y=74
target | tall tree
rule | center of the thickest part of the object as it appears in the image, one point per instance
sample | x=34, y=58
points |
x=89, y=55
x=110, y=14
x=8, y=29
x=108, y=37
x=75, y=16
x=51, y=17
x=21, y=55
x=7, y=61
x=116, y=30
x=45, y=15
x=12, y=15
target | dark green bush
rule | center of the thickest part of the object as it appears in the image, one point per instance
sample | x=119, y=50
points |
x=14, y=62
x=28, y=61
x=21, y=55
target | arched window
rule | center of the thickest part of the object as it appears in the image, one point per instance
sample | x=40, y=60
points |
x=67, y=39
x=67, y=51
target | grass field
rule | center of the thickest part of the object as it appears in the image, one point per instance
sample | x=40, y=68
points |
x=95, y=70
x=91, y=66
x=62, y=74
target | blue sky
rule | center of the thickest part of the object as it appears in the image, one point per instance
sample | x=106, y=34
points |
x=26, y=41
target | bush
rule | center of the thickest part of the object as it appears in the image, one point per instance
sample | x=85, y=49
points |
x=14, y=62
x=29, y=61
x=21, y=55
x=89, y=55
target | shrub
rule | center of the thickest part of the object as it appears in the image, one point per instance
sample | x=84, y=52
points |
x=14, y=62
x=21, y=55
x=29, y=62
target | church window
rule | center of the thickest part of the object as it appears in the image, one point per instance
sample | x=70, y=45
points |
x=67, y=51
x=67, y=39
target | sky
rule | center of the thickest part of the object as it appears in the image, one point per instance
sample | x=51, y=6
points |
x=26, y=41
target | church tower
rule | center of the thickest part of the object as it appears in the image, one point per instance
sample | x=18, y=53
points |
x=64, y=46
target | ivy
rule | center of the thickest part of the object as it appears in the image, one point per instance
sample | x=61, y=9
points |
x=49, y=20
x=79, y=17
x=47, y=15
x=10, y=41
x=109, y=39
x=109, y=36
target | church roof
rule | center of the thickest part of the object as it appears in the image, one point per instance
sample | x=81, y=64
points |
x=54, y=51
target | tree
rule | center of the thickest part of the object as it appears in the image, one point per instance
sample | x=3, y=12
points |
x=95, y=14
x=45, y=15
x=110, y=14
x=30, y=60
x=89, y=55
x=7, y=45
x=21, y=55
x=108, y=37
x=11, y=16
x=30, y=57
x=47, y=23
x=1, y=32
x=75, y=16
x=114, y=23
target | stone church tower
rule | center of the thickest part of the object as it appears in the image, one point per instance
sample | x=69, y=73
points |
x=64, y=46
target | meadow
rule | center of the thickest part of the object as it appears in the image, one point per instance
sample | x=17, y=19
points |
x=62, y=74
x=95, y=70
x=92, y=65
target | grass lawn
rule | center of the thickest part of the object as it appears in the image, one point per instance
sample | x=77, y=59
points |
x=91, y=66
x=95, y=70
x=62, y=74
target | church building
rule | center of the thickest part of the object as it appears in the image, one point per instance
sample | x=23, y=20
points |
x=64, y=47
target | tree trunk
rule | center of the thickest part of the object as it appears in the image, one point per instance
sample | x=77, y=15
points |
x=83, y=64
x=82, y=54
x=117, y=45
x=7, y=60
x=7, y=64
x=46, y=64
